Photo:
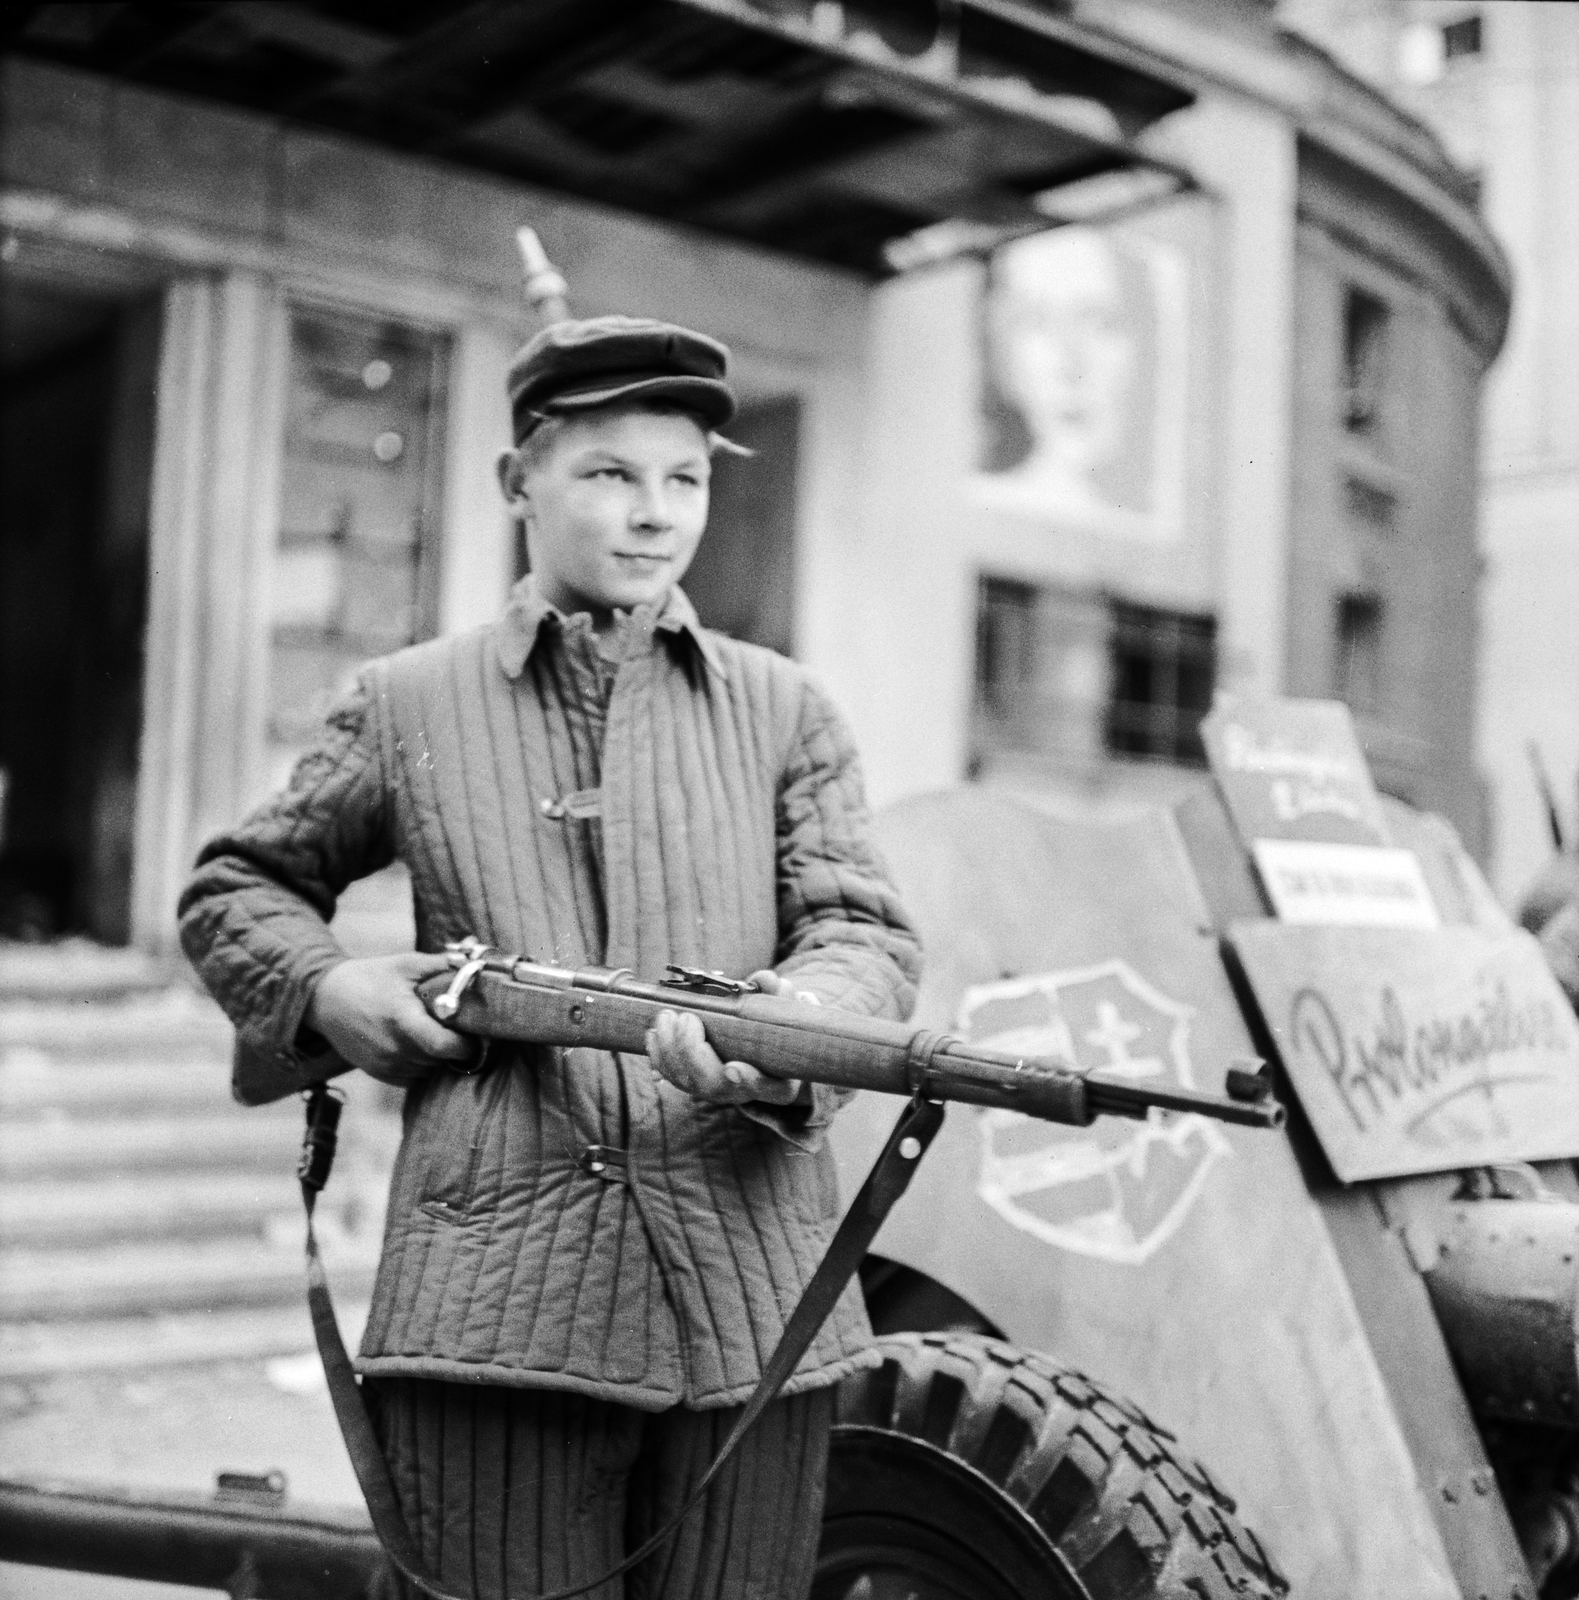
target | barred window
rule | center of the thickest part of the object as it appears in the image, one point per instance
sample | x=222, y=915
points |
x=1067, y=678
x=1163, y=672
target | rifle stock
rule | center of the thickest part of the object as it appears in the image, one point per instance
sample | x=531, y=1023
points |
x=504, y=997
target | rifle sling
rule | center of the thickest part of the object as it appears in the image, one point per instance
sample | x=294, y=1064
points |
x=889, y=1178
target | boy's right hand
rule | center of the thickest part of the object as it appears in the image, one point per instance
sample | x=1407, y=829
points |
x=369, y=1013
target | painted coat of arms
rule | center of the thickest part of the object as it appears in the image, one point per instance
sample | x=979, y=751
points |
x=1117, y=1190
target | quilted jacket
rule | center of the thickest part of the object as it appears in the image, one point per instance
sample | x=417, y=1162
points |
x=720, y=823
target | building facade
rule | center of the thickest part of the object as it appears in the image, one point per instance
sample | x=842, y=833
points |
x=1500, y=85
x=1024, y=506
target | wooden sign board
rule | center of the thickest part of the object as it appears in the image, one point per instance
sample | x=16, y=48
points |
x=1419, y=1052
x=1292, y=769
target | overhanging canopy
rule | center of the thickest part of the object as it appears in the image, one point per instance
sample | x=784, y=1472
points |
x=838, y=132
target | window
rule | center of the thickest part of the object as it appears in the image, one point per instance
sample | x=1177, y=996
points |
x=1365, y=321
x=354, y=564
x=1461, y=38
x=1357, y=657
x=1041, y=676
x=1427, y=49
x=1066, y=678
x=1163, y=669
x=1005, y=643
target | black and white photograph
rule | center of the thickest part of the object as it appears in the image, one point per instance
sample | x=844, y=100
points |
x=789, y=800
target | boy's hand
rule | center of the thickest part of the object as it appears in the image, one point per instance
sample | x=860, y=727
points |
x=679, y=1051
x=369, y=1012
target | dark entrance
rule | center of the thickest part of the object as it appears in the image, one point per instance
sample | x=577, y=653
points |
x=76, y=451
x=743, y=582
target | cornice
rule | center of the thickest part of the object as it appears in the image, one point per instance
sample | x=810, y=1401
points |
x=1337, y=114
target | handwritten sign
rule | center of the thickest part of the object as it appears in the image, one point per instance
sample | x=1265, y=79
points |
x=1419, y=1052
x=1344, y=885
x=1292, y=769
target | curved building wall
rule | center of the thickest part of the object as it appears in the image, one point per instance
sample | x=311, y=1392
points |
x=1504, y=96
x=1338, y=301
x=1393, y=335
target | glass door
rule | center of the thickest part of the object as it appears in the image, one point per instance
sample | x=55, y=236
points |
x=355, y=564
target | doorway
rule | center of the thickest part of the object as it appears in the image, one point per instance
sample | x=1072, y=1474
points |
x=743, y=582
x=77, y=418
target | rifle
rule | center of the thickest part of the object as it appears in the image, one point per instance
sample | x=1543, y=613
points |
x=499, y=996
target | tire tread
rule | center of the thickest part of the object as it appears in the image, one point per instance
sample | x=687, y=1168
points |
x=1133, y=1515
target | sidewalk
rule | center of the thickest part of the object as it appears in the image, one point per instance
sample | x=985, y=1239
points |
x=172, y=1428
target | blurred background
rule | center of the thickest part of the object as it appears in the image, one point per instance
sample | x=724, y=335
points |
x=1097, y=356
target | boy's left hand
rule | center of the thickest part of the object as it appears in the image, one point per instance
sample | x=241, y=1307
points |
x=679, y=1051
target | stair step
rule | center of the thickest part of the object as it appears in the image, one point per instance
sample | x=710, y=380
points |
x=168, y=1022
x=78, y=969
x=127, y=1280
x=33, y=1082
x=181, y=1338
x=261, y=1140
x=53, y=1213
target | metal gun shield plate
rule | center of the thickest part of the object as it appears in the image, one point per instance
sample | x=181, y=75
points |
x=1189, y=1268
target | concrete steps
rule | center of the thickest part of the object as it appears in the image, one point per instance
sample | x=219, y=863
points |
x=145, y=1217
x=183, y=1275
x=157, y=1144
x=37, y=1083
x=54, y=1212
x=117, y=1344
x=172, y=1024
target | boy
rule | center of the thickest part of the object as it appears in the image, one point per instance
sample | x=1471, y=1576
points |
x=588, y=1257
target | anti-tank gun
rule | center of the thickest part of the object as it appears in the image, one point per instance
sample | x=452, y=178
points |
x=1367, y=1327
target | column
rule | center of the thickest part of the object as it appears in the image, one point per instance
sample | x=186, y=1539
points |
x=211, y=530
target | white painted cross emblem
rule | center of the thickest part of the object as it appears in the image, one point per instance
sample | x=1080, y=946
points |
x=1114, y=1035
x=1118, y=1189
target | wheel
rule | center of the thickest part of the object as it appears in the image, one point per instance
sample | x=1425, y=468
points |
x=964, y=1468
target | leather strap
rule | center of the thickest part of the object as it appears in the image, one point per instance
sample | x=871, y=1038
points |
x=890, y=1176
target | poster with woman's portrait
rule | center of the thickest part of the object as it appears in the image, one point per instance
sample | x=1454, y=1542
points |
x=1083, y=394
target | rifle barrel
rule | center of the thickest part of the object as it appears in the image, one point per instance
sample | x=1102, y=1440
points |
x=1112, y=1098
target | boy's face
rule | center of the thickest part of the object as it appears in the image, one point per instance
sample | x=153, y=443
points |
x=614, y=505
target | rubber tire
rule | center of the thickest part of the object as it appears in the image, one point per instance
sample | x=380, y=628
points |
x=1000, y=1476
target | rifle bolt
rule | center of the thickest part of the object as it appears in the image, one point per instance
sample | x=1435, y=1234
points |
x=909, y=1148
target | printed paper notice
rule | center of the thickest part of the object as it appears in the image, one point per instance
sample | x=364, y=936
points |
x=1344, y=885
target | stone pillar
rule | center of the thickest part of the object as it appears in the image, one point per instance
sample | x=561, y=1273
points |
x=1242, y=153
x=211, y=532
x=476, y=553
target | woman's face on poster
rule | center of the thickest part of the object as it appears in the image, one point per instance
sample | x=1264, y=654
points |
x=1061, y=347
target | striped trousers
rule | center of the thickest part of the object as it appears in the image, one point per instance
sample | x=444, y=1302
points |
x=510, y=1492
